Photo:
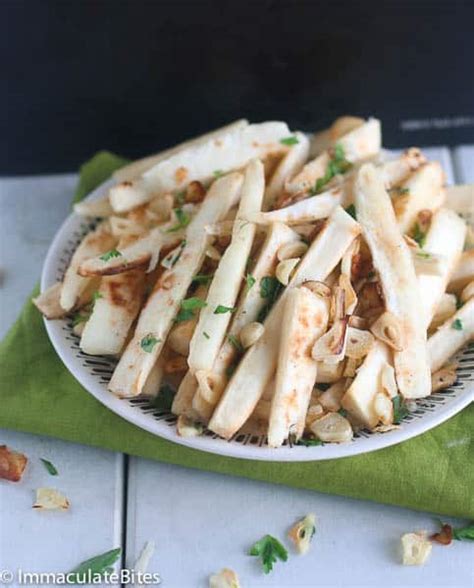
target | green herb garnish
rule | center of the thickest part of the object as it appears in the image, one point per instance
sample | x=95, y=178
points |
x=148, y=342
x=249, y=281
x=217, y=173
x=206, y=335
x=182, y=218
x=270, y=550
x=79, y=318
x=337, y=165
x=100, y=564
x=457, y=325
x=342, y=412
x=96, y=296
x=164, y=399
x=309, y=442
x=398, y=191
x=419, y=236
x=188, y=306
x=110, y=255
x=235, y=343
x=221, y=309
x=351, y=209
x=50, y=467
x=202, y=278
x=464, y=533
x=270, y=289
x=292, y=140
x=400, y=410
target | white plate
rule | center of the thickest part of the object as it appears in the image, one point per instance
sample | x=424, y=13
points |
x=94, y=373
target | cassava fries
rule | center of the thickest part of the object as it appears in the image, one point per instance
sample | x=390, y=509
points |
x=391, y=257
x=463, y=272
x=451, y=336
x=135, y=169
x=305, y=318
x=258, y=365
x=220, y=303
x=48, y=302
x=94, y=208
x=116, y=307
x=231, y=150
x=445, y=238
x=156, y=318
x=95, y=243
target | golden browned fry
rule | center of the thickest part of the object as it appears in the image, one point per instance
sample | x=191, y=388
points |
x=12, y=464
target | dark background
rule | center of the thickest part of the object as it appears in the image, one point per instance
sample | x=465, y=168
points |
x=134, y=77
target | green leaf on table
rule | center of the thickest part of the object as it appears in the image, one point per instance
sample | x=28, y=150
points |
x=464, y=533
x=95, y=565
x=269, y=550
x=49, y=467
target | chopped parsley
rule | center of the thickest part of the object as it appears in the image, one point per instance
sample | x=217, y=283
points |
x=269, y=550
x=351, y=209
x=164, y=399
x=182, y=218
x=464, y=533
x=202, y=278
x=206, y=335
x=220, y=309
x=419, y=236
x=50, y=467
x=342, y=412
x=94, y=567
x=148, y=342
x=398, y=191
x=292, y=140
x=249, y=281
x=270, y=289
x=400, y=410
x=309, y=441
x=79, y=318
x=188, y=306
x=235, y=343
x=457, y=325
x=217, y=173
x=96, y=296
x=423, y=254
x=337, y=165
x=180, y=198
x=110, y=255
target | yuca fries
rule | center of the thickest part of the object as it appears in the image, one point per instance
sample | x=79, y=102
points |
x=228, y=264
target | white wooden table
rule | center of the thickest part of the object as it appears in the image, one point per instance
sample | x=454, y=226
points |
x=199, y=521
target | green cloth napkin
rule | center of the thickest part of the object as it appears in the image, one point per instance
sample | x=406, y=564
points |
x=433, y=472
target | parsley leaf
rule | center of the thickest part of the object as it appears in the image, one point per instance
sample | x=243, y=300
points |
x=236, y=343
x=110, y=255
x=270, y=289
x=464, y=533
x=217, y=173
x=400, y=410
x=97, y=565
x=249, y=281
x=270, y=550
x=148, y=342
x=292, y=140
x=182, y=218
x=50, y=467
x=309, y=442
x=342, y=412
x=202, y=278
x=188, y=306
x=164, y=399
x=220, y=309
x=206, y=335
x=351, y=209
x=79, y=318
x=338, y=164
x=457, y=325
x=398, y=191
x=96, y=296
x=180, y=198
x=419, y=236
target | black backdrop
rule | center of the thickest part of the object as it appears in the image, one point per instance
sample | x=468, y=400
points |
x=134, y=77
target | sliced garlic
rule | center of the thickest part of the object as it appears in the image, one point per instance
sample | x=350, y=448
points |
x=416, y=548
x=185, y=427
x=213, y=253
x=332, y=428
x=331, y=398
x=284, y=270
x=50, y=499
x=443, y=378
x=319, y=288
x=315, y=412
x=387, y=328
x=350, y=299
x=250, y=334
x=359, y=343
x=303, y=532
x=226, y=578
x=383, y=408
x=292, y=250
x=331, y=346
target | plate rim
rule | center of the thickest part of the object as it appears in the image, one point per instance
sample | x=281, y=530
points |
x=207, y=444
